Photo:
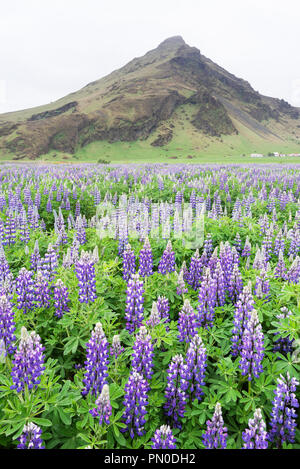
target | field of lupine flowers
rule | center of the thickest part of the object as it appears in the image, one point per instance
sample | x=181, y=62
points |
x=118, y=331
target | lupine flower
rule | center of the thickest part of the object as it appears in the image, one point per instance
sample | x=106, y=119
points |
x=134, y=314
x=4, y=267
x=135, y=402
x=280, y=269
x=235, y=286
x=145, y=260
x=207, y=300
x=10, y=231
x=195, y=271
x=293, y=275
x=242, y=314
x=163, y=308
x=41, y=291
x=7, y=325
x=262, y=286
x=196, y=365
x=31, y=437
x=96, y=363
x=247, y=248
x=163, y=438
x=215, y=436
x=85, y=273
x=116, y=348
x=252, y=348
x=61, y=299
x=128, y=263
x=220, y=285
x=155, y=317
x=181, y=287
x=187, y=323
x=256, y=437
x=103, y=408
x=25, y=290
x=142, y=357
x=283, y=416
x=176, y=397
x=50, y=263
x=28, y=361
x=238, y=242
x=167, y=262
x=35, y=257
x=208, y=246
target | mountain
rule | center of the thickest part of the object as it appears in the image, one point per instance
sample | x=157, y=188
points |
x=170, y=94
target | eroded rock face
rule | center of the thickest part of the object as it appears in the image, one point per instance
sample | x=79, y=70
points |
x=138, y=99
x=53, y=112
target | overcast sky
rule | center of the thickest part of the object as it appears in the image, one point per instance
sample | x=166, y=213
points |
x=49, y=48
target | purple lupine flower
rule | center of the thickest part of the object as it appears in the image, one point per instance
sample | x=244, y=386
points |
x=207, y=300
x=252, y=348
x=163, y=308
x=237, y=243
x=235, y=286
x=116, y=349
x=242, y=314
x=187, y=323
x=208, y=245
x=284, y=345
x=61, y=299
x=280, y=269
x=181, y=287
x=247, y=248
x=283, y=415
x=256, y=437
x=41, y=291
x=262, y=286
x=134, y=312
x=215, y=436
x=96, y=363
x=220, y=285
x=7, y=325
x=35, y=257
x=25, y=290
x=80, y=230
x=163, y=438
x=167, y=262
x=50, y=263
x=24, y=230
x=196, y=365
x=195, y=271
x=4, y=266
x=155, y=317
x=176, y=397
x=85, y=273
x=10, y=231
x=103, y=408
x=145, y=260
x=135, y=402
x=31, y=437
x=185, y=271
x=28, y=361
x=142, y=356
x=293, y=275
x=128, y=263
x=212, y=263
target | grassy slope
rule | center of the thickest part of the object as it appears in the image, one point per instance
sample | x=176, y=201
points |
x=186, y=141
